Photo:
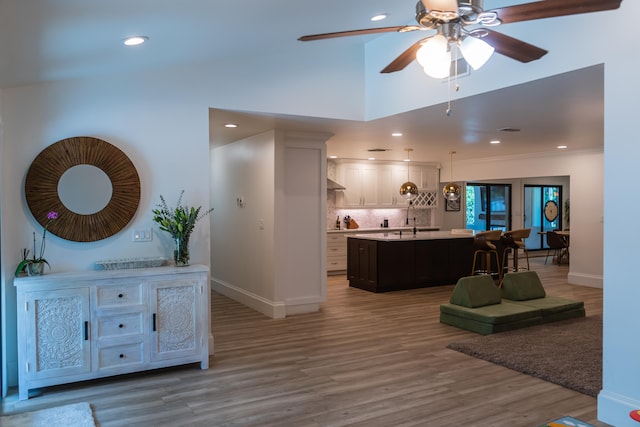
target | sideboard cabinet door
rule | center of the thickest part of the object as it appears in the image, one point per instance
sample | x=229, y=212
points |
x=176, y=317
x=58, y=323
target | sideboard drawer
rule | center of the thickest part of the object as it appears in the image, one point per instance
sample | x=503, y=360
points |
x=118, y=295
x=120, y=325
x=121, y=355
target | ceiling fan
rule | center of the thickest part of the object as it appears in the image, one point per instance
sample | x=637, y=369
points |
x=465, y=24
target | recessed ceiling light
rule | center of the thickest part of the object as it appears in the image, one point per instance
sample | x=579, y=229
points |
x=495, y=141
x=230, y=125
x=396, y=134
x=135, y=41
x=379, y=17
x=333, y=157
x=371, y=158
x=562, y=147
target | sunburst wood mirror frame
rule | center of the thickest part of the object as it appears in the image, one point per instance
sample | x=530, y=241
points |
x=41, y=188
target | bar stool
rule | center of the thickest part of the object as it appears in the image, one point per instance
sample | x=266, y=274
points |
x=484, y=245
x=513, y=241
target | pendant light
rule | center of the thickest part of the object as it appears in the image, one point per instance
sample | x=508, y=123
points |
x=408, y=190
x=451, y=190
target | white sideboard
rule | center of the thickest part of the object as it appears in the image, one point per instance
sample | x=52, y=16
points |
x=84, y=325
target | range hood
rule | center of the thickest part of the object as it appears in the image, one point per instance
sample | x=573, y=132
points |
x=332, y=185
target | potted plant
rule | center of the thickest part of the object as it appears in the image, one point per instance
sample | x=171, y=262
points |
x=179, y=222
x=35, y=266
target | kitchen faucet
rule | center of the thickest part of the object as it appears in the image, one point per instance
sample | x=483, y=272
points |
x=414, y=216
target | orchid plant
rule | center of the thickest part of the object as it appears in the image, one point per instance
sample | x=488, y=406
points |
x=25, y=252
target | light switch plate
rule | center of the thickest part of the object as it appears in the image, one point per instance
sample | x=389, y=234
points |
x=142, y=235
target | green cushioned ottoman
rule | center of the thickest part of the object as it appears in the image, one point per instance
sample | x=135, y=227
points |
x=526, y=289
x=555, y=308
x=490, y=319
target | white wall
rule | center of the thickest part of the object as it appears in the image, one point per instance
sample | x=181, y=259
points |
x=621, y=352
x=168, y=142
x=585, y=171
x=270, y=253
x=242, y=254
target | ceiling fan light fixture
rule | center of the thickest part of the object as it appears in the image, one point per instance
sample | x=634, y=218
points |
x=475, y=51
x=435, y=57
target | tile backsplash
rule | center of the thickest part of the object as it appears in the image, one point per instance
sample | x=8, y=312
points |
x=373, y=218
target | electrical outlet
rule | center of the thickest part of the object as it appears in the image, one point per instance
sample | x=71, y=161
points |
x=142, y=235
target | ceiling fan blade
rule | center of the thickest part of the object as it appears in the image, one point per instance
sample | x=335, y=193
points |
x=441, y=5
x=552, y=8
x=513, y=48
x=404, y=59
x=401, y=28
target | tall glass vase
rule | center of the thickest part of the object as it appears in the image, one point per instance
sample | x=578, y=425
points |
x=181, y=251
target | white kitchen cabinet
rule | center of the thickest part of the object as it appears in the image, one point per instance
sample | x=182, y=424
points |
x=85, y=325
x=361, y=182
x=336, y=253
x=391, y=178
x=377, y=185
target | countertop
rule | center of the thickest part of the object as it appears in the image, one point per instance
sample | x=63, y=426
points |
x=408, y=235
x=383, y=230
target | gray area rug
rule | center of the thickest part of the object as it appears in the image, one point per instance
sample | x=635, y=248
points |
x=568, y=353
x=74, y=415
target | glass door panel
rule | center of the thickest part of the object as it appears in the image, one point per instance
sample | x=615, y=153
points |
x=535, y=199
x=488, y=207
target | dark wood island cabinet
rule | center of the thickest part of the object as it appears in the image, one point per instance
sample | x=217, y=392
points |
x=388, y=262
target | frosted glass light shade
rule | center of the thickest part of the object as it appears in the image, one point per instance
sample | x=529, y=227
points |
x=408, y=190
x=435, y=57
x=475, y=51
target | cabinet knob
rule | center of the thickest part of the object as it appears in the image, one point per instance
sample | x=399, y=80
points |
x=120, y=295
x=121, y=356
x=120, y=326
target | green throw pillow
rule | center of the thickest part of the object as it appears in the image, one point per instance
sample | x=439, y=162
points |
x=522, y=286
x=475, y=291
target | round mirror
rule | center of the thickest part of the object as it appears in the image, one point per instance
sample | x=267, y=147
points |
x=53, y=184
x=85, y=189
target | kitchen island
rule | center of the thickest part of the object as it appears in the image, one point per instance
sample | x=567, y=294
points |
x=384, y=262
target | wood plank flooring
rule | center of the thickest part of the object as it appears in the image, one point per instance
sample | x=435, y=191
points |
x=364, y=360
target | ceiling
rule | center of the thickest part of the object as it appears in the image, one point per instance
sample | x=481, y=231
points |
x=563, y=109
x=47, y=40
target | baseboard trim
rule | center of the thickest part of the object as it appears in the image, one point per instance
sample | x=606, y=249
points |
x=272, y=309
x=589, y=280
x=614, y=408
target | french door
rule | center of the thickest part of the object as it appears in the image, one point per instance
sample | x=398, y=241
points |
x=536, y=197
x=488, y=207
